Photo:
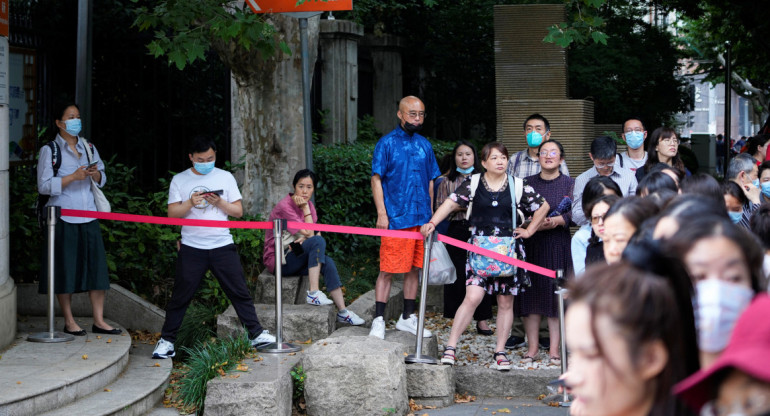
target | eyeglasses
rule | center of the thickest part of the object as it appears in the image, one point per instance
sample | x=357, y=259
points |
x=670, y=140
x=415, y=114
x=751, y=406
x=638, y=130
x=604, y=165
x=552, y=153
x=595, y=220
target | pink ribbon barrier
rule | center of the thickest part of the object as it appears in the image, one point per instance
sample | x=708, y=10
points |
x=344, y=229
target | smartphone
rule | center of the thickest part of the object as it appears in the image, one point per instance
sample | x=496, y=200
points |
x=218, y=192
x=297, y=249
x=92, y=164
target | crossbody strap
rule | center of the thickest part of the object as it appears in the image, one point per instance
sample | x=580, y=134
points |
x=474, y=184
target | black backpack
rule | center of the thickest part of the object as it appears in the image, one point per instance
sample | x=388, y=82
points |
x=42, y=200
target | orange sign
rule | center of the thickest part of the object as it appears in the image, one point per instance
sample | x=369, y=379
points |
x=285, y=6
x=4, y=18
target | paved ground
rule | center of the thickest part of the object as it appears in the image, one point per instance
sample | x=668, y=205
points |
x=497, y=406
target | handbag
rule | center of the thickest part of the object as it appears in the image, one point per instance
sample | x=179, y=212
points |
x=441, y=269
x=482, y=265
x=102, y=204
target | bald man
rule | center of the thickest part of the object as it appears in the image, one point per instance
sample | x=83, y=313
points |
x=403, y=169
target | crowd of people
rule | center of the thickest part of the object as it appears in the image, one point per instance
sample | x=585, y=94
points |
x=667, y=269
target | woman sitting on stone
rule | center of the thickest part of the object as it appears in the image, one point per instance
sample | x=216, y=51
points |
x=304, y=252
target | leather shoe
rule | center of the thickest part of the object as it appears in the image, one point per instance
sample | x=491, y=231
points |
x=96, y=330
x=80, y=333
x=484, y=331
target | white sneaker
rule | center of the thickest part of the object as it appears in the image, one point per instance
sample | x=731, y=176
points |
x=349, y=317
x=378, y=328
x=163, y=349
x=410, y=325
x=263, y=339
x=318, y=299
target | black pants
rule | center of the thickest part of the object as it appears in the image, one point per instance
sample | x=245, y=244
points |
x=191, y=266
x=455, y=293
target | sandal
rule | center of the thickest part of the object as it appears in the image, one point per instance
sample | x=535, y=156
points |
x=529, y=358
x=503, y=363
x=555, y=360
x=447, y=358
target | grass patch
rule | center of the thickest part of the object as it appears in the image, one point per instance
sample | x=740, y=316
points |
x=358, y=273
x=208, y=361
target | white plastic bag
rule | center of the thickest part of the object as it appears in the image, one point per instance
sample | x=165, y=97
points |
x=441, y=271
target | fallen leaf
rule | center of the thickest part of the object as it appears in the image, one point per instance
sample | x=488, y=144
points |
x=156, y=365
x=18, y=382
x=221, y=371
x=242, y=367
x=292, y=353
x=109, y=340
x=541, y=397
x=108, y=390
x=258, y=359
x=504, y=410
x=85, y=356
x=98, y=337
x=509, y=397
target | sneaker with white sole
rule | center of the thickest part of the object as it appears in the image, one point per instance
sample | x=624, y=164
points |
x=378, y=328
x=410, y=325
x=349, y=317
x=318, y=299
x=163, y=349
x=263, y=339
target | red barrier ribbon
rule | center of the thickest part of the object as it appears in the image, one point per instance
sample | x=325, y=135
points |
x=344, y=229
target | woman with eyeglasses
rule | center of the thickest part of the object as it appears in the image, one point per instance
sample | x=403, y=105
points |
x=663, y=148
x=598, y=209
x=548, y=248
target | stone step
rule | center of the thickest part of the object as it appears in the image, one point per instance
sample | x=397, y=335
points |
x=38, y=377
x=300, y=322
x=135, y=392
x=482, y=381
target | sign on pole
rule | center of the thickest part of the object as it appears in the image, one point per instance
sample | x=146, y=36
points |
x=285, y=6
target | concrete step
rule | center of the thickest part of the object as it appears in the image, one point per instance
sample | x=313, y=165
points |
x=135, y=392
x=39, y=377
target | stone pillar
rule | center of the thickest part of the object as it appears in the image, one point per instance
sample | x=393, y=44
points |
x=388, y=79
x=339, y=79
x=7, y=287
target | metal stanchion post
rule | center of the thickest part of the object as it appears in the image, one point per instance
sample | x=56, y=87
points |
x=278, y=346
x=561, y=292
x=51, y=336
x=417, y=357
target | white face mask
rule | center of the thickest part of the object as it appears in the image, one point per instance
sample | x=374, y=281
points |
x=718, y=305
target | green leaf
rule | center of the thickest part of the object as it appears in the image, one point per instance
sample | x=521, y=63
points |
x=599, y=37
x=284, y=48
x=178, y=58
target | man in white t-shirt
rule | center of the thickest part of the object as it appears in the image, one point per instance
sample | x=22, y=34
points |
x=206, y=193
x=634, y=134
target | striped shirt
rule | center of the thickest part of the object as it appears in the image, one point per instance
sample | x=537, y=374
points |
x=621, y=176
x=522, y=165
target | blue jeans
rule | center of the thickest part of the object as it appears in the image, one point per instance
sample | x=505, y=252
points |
x=314, y=254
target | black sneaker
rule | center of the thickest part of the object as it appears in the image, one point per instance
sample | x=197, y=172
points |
x=545, y=343
x=515, y=342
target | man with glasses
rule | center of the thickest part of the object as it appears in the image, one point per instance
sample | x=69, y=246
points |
x=634, y=134
x=526, y=162
x=603, y=154
x=403, y=169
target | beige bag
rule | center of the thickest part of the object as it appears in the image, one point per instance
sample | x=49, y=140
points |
x=286, y=239
x=102, y=204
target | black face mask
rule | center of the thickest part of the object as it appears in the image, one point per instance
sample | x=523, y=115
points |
x=411, y=128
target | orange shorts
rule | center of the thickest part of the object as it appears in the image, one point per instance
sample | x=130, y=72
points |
x=399, y=255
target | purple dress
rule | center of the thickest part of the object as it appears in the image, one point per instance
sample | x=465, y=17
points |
x=549, y=248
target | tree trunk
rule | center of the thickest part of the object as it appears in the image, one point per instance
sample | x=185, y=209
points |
x=267, y=114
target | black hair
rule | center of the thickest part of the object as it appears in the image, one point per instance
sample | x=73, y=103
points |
x=639, y=119
x=201, y=144
x=603, y=147
x=558, y=144
x=688, y=206
x=698, y=228
x=760, y=224
x=453, y=173
x=655, y=181
x=60, y=115
x=756, y=141
x=764, y=166
x=662, y=197
x=305, y=173
x=705, y=185
x=633, y=209
x=595, y=188
x=660, y=167
x=652, y=155
x=733, y=189
x=537, y=116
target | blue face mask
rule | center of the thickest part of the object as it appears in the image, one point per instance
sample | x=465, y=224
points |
x=635, y=139
x=534, y=139
x=766, y=189
x=72, y=126
x=204, y=168
x=735, y=217
x=465, y=171
x=755, y=182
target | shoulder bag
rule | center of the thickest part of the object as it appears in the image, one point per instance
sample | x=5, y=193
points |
x=102, y=204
